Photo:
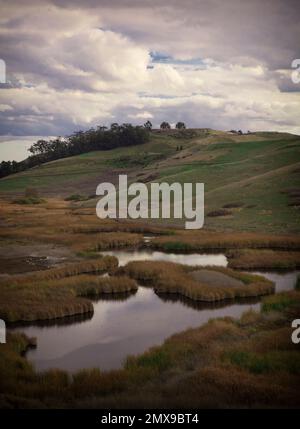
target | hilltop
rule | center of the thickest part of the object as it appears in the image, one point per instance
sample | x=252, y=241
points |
x=251, y=180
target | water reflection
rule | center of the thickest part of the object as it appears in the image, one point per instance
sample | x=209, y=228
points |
x=120, y=328
x=124, y=257
x=283, y=280
x=199, y=305
x=61, y=321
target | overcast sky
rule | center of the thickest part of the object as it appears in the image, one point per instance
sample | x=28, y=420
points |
x=211, y=63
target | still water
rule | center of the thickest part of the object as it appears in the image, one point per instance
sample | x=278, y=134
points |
x=130, y=324
x=180, y=258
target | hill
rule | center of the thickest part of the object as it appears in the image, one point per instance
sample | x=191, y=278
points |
x=251, y=181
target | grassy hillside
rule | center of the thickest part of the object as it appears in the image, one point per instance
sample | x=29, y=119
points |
x=251, y=181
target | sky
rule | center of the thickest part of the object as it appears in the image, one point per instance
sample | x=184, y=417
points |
x=72, y=65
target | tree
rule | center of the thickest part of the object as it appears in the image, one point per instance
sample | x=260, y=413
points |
x=165, y=126
x=180, y=126
x=40, y=147
x=114, y=126
x=148, y=125
x=99, y=138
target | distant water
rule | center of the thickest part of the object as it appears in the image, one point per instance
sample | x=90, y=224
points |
x=15, y=148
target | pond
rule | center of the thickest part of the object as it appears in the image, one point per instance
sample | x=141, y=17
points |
x=130, y=324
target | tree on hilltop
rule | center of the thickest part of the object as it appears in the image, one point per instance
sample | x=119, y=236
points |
x=180, y=126
x=148, y=125
x=165, y=126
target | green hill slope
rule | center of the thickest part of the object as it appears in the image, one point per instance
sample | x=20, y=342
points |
x=254, y=176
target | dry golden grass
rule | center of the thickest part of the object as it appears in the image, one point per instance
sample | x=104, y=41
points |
x=168, y=277
x=57, y=223
x=59, y=292
x=99, y=266
x=252, y=258
x=52, y=299
x=106, y=241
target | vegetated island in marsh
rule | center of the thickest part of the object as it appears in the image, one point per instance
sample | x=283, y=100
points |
x=209, y=284
x=59, y=292
x=64, y=291
x=266, y=259
x=227, y=363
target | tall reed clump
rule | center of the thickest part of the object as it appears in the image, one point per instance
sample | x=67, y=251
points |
x=250, y=259
x=90, y=286
x=168, y=277
x=106, y=241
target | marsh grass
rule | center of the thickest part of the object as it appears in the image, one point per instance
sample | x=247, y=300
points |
x=280, y=301
x=56, y=223
x=59, y=292
x=112, y=240
x=204, y=240
x=99, y=266
x=168, y=277
x=54, y=299
x=253, y=258
x=156, y=359
x=272, y=362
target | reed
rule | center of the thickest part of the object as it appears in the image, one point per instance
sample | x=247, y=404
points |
x=204, y=240
x=55, y=298
x=109, y=240
x=252, y=258
x=99, y=266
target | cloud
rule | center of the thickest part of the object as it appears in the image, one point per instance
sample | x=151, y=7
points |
x=75, y=64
